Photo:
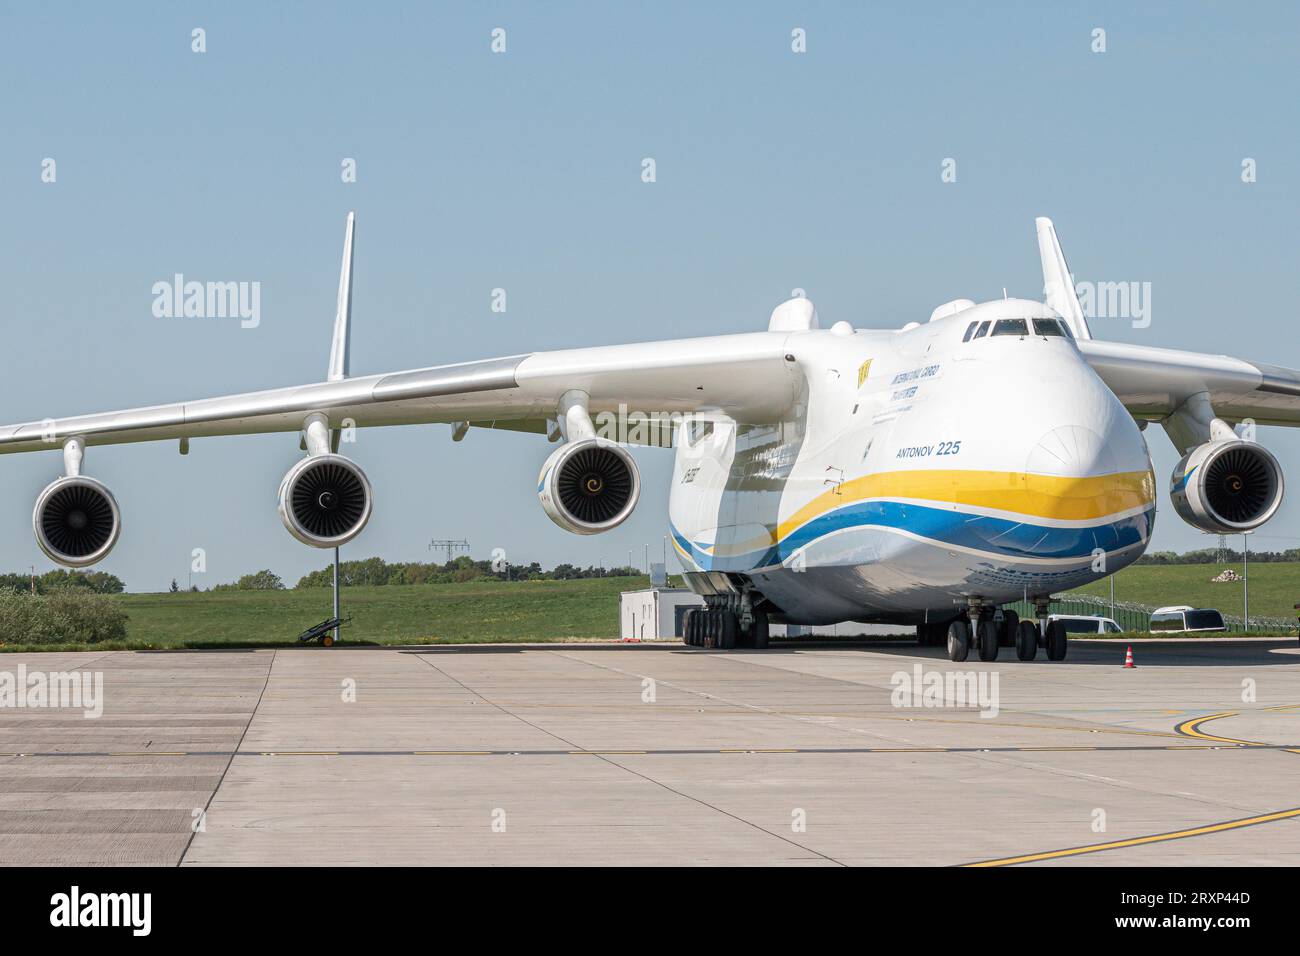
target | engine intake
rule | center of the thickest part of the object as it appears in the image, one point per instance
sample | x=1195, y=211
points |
x=1227, y=487
x=325, y=500
x=76, y=521
x=589, y=486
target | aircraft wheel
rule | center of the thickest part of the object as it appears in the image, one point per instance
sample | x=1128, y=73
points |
x=728, y=629
x=760, y=632
x=988, y=640
x=1010, y=626
x=688, y=624
x=1026, y=640
x=711, y=621
x=1057, y=641
x=958, y=640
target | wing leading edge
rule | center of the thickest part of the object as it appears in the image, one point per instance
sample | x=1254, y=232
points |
x=744, y=376
x=1153, y=383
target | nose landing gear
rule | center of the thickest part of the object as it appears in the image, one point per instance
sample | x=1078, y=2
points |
x=978, y=627
x=1026, y=640
x=958, y=640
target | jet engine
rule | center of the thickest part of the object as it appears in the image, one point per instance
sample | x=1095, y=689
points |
x=589, y=486
x=1227, y=487
x=76, y=521
x=325, y=500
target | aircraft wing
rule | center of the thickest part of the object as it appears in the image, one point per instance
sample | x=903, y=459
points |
x=743, y=376
x=1154, y=382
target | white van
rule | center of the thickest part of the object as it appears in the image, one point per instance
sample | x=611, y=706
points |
x=1183, y=617
x=1086, y=624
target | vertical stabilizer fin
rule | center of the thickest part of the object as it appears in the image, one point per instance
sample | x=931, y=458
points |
x=340, y=351
x=1058, y=286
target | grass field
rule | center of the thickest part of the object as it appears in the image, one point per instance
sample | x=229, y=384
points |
x=474, y=612
x=492, y=611
x=1274, y=588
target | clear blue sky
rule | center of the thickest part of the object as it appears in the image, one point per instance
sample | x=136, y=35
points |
x=522, y=171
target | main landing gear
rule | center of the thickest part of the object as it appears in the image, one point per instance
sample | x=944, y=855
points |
x=721, y=629
x=978, y=628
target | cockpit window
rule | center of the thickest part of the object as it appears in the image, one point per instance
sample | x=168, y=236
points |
x=983, y=330
x=1048, y=327
x=1011, y=327
x=970, y=330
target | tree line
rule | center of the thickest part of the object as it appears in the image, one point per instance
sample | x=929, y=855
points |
x=61, y=579
x=1214, y=556
x=375, y=572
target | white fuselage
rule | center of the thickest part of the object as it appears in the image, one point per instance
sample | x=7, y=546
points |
x=916, y=472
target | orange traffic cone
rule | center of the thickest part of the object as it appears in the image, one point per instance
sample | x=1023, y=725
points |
x=1128, y=657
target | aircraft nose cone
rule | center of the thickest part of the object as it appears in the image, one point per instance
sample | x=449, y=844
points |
x=1072, y=451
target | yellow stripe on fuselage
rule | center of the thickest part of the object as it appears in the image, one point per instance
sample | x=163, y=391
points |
x=1036, y=496
x=1018, y=493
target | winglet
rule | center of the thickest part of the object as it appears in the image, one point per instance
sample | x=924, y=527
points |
x=1058, y=286
x=340, y=351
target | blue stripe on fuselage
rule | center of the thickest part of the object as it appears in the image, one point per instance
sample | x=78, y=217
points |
x=997, y=537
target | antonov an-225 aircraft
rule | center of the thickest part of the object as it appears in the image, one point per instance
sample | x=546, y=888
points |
x=923, y=475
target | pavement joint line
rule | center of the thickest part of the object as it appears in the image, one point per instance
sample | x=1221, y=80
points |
x=666, y=752
x=252, y=714
x=635, y=773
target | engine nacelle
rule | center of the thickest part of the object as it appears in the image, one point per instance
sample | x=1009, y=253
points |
x=1227, y=487
x=589, y=486
x=325, y=500
x=76, y=521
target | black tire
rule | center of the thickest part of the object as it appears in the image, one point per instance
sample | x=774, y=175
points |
x=1057, y=641
x=744, y=636
x=958, y=640
x=1010, y=625
x=1027, y=640
x=988, y=640
x=707, y=631
x=688, y=625
x=760, y=632
x=728, y=630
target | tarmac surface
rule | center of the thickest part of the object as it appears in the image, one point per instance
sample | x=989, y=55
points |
x=659, y=754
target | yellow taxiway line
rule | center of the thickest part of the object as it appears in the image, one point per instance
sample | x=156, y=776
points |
x=1188, y=728
x=1142, y=840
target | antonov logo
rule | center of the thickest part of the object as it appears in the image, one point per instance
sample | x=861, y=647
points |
x=863, y=369
x=103, y=909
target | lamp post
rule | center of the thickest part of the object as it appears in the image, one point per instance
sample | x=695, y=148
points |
x=1245, y=580
x=337, y=628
